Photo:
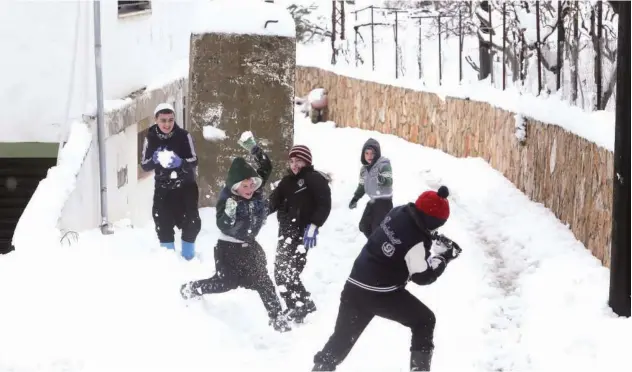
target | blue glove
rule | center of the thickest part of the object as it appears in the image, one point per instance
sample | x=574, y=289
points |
x=309, y=239
x=176, y=162
x=154, y=157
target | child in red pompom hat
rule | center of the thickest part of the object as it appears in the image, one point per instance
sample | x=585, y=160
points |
x=397, y=252
x=435, y=207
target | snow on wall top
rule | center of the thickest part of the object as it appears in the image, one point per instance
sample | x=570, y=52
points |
x=244, y=17
x=596, y=126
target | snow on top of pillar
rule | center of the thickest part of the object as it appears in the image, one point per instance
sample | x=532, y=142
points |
x=254, y=17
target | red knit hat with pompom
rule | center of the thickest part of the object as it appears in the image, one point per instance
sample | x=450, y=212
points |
x=434, y=204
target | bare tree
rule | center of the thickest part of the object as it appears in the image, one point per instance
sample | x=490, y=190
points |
x=604, y=48
x=407, y=4
x=485, y=33
x=308, y=29
x=574, y=48
x=565, y=38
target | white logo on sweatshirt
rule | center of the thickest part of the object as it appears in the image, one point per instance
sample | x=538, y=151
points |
x=388, y=249
x=390, y=234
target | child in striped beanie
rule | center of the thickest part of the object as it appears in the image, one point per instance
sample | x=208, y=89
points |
x=302, y=201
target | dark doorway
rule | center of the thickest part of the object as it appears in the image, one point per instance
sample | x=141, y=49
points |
x=19, y=178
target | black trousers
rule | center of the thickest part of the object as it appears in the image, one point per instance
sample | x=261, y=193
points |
x=241, y=265
x=374, y=213
x=288, y=266
x=357, y=309
x=177, y=208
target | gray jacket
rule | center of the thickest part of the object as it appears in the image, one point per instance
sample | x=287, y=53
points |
x=376, y=179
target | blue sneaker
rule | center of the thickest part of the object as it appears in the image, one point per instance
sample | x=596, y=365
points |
x=188, y=250
x=169, y=245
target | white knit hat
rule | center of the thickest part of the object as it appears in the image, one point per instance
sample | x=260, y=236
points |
x=164, y=106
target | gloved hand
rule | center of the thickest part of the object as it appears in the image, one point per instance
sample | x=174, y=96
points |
x=256, y=150
x=451, y=253
x=383, y=177
x=445, y=247
x=441, y=243
x=309, y=238
x=231, y=208
x=353, y=203
x=154, y=157
x=248, y=143
x=175, y=162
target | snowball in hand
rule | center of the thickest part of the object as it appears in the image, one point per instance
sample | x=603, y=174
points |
x=245, y=136
x=247, y=140
x=211, y=133
x=164, y=158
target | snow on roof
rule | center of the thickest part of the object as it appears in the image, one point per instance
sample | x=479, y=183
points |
x=255, y=17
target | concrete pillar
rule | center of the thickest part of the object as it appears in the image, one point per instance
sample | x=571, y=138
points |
x=240, y=82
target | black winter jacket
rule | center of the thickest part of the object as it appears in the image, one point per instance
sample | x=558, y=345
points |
x=397, y=252
x=300, y=200
x=181, y=143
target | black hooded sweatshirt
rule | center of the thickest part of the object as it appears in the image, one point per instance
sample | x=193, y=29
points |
x=181, y=143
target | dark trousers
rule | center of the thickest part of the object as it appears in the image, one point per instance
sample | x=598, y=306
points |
x=289, y=265
x=374, y=213
x=359, y=306
x=241, y=265
x=177, y=208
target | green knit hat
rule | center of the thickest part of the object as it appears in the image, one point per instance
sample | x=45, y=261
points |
x=240, y=170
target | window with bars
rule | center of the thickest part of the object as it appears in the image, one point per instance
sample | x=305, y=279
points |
x=143, y=129
x=129, y=7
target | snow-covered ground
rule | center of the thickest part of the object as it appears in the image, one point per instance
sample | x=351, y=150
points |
x=525, y=295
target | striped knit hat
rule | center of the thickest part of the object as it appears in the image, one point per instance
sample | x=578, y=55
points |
x=301, y=152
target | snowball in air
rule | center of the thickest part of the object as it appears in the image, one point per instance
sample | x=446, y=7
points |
x=211, y=133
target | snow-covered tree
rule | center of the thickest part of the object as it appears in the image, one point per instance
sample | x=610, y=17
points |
x=310, y=27
x=577, y=27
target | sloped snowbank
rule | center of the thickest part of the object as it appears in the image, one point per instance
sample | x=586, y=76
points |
x=37, y=227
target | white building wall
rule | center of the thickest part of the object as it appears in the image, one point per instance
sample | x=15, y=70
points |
x=47, y=80
x=129, y=198
x=47, y=66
